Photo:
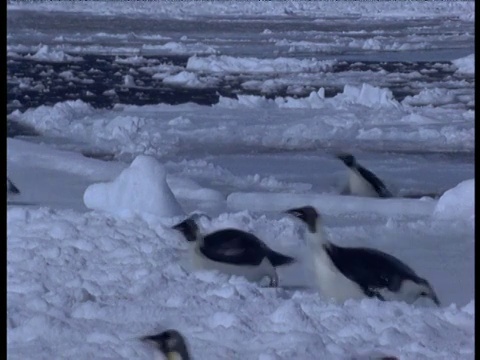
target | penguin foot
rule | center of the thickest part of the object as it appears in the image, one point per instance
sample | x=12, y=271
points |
x=273, y=281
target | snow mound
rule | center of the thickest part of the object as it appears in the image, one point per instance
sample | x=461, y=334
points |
x=434, y=97
x=187, y=79
x=54, y=118
x=458, y=202
x=140, y=189
x=465, y=65
x=231, y=64
x=179, y=48
x=367, y=95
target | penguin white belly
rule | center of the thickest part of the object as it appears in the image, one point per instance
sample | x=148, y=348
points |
x=359, y=186
x=332, y=283
x=254, y=273
x=408, y=292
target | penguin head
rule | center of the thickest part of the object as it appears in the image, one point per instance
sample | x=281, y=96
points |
x=188, y=228
x=426, y=290
x=307, y=214
x=414, y=289
x=171, y=343
x=348, y=159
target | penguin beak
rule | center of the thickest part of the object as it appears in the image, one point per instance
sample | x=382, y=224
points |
x=188, y=228
x=180, y=226
x=295, y=212
x=432, y=295
x=148, y=339
x=434, y=298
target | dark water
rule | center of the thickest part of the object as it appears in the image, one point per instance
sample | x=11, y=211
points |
x=97, y=74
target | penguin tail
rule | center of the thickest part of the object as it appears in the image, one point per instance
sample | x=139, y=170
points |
x=278, y=259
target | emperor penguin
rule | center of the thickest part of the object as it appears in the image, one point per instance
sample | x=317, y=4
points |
x=11, y=188
x=169, y=344
x=362, y=182
x=232, y=251
x=355, y=272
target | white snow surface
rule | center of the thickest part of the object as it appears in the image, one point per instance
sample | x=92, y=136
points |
x=86, y=284
x=140, y=189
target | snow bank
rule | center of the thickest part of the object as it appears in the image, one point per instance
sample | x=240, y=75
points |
x=433, y=97
x=44, y=53
x=230, y=64
x=56, y=118
x=40, y=155
x=458, y=202
x=361, y=115
x=139, y=190
x=329, y=204
x=189, y=80
x=366, y=95
x=381, y=43
x=465, y=65
x=379, y=9
x=179, y=48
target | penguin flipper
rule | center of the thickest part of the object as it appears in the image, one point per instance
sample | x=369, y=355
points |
x=373, y=293
x=377, y=184
x=278, y=259
x=231, y=250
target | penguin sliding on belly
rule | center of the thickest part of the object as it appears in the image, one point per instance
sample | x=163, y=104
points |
x=362, y=182
x=233, y=252
x=169, y=344
x=351, y=273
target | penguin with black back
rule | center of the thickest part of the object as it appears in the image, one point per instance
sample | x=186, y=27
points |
x=355, y=272
x=363, y=182
x=232, y=251
x=170, y=344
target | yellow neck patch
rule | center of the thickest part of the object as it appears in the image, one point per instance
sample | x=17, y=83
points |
x=173, y=355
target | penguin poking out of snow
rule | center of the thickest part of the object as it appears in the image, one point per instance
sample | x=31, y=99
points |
x=232, y=251
x=170, y=344
x=11, y=188
x=352, y=273
x=362, y=182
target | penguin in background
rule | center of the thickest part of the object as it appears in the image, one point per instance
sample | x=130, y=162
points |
x=355, y=272
x=169, y=344
x=232, y=251
x=361, y=181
